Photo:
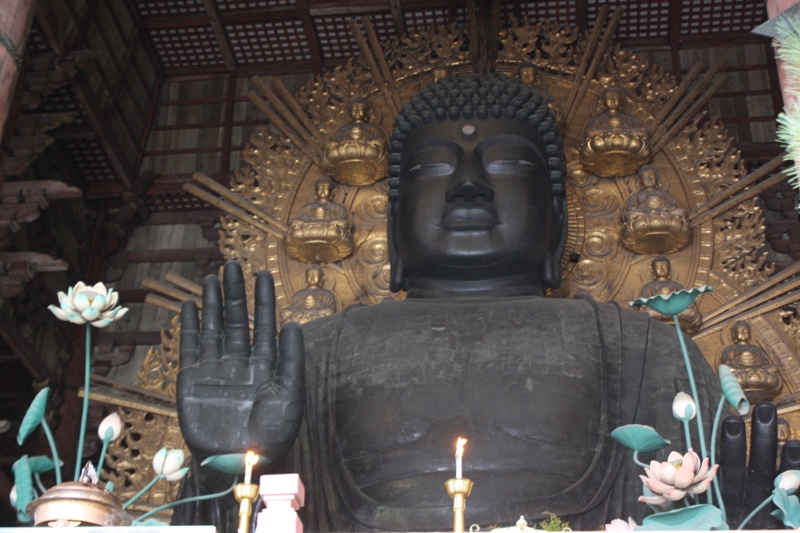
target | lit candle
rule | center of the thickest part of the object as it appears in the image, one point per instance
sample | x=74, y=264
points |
x=459, y=453
x=250, y=459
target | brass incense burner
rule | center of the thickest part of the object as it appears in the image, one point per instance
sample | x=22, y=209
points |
x=75, y=503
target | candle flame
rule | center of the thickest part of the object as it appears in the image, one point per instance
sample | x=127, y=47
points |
x=460, y=445
x=250, y=459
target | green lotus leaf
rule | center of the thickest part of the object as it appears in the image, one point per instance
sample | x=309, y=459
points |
x=23, y=479
x=703, y=517
x=231, y=463
x=41, y=464
x=673, y=303
x=732, y=390
x=34, y=415
x=788, y=508
x=639, y=438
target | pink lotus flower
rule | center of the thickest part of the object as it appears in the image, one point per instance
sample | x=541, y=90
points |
x=679, y=475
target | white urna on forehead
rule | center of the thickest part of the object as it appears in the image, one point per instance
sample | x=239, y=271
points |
x=469, y=132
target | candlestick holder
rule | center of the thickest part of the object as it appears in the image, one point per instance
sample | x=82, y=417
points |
x=246, y=494
x=459, y=489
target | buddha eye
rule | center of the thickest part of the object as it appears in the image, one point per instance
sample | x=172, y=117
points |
x=426, y=166
x=504, y=166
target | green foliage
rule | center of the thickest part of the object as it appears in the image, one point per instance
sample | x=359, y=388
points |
x=788, y=508
x=702, y=517
x=34, y=415
x=24, y=482
x=553, y=523
x=639, y=438
x=41, y=464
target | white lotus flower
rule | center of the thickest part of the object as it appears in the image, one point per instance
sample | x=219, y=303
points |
x=621, y=525
x=169, y=463
x=683, y=407
x=677, y=476
x=95, y=305
x=12, y=496
x=112, y=422
x=788, y=481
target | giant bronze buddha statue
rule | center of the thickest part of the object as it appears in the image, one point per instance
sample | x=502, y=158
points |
x=476, y=229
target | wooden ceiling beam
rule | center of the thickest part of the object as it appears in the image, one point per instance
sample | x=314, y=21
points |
x=163, y=184
x=311, y=35
x=222, y=37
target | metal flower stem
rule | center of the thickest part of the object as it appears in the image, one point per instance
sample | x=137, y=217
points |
x=700, y=433
x=141, y=492
x=106, y=442
x=713, y=443
x=185, y=500
x=687, y=432
x=52, y=442
x=85, y=410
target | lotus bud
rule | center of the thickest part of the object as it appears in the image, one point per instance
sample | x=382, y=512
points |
x=110, y=428
x=177, y=476
x=167, y=462
x=683, y=407
x=788, y=481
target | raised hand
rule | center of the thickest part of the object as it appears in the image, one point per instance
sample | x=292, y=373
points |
x=234, y=396
x=746, y=483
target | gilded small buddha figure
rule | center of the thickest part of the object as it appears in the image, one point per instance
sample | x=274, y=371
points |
x=529, y=75
x=652, y=221
x=322, y=233
x=357, y=153
x=440, y=73
x=312, y=302
x=615, y=143
x=690, y=319
x=759, y=379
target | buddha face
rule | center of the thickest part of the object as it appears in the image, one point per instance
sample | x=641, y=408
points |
x=324, y=189
x=613, y=101
x=358, y=112
x=474, y=202
x=649, y=179
x=313, y=278
x=527, y=75
x=661, y=268
x=741, y=333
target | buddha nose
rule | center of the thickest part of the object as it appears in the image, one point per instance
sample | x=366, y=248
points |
x=469, y=189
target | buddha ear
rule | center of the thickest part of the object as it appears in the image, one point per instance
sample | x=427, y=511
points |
x=398, y=281
x=551, y=266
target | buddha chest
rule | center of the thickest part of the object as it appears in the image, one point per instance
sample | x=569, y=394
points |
x=521, y=378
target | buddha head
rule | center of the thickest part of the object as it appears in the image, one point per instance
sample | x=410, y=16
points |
x=476, y=189
x=741, y=332
x=527, y=74
x=314, y=277
x=648, y=177
x=358, y=111
x=661, y=268
x=324, y=190
x=612, y=101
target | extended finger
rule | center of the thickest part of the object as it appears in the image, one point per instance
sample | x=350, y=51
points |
x=264, y=327
x=290, y=374
x=733, y=461
x=190, y=329
x=763, y=454
x=237, y=328
x=211, y=336
x=790, y=456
